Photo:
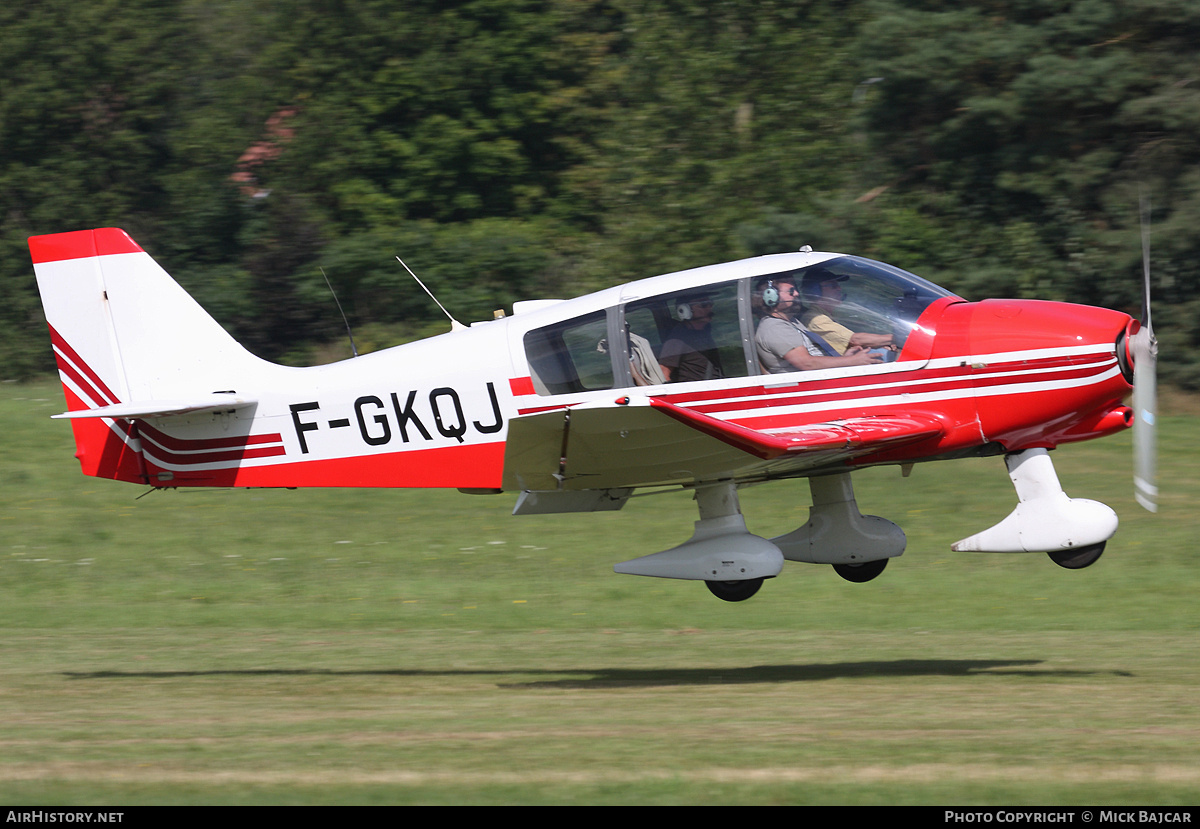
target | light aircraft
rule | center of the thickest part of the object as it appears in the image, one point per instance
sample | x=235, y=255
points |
x=567, y=403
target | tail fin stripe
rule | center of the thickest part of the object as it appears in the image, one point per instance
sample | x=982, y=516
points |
x=72, y=364
x=123, y=431
x=93, y=392
x=88, y=394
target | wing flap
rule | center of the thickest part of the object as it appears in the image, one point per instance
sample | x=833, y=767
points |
x=649, y=441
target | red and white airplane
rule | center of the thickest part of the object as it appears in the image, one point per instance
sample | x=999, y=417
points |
x=673, y=381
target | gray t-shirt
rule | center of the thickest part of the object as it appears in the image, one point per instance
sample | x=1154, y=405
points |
x=776, y=337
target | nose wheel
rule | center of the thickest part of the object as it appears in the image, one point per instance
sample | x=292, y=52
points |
x=1079, y=558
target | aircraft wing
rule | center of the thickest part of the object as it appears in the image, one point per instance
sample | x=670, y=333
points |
x=860, y=435
x=650, y=441
x=164, y=408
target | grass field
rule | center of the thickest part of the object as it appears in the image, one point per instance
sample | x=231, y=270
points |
x=403, y=647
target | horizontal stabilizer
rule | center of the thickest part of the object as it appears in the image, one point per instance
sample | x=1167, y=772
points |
x=164, y=408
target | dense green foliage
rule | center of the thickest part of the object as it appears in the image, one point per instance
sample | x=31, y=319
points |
x=510, y=149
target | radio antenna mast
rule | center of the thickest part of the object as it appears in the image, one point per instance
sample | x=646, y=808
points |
x=353, y=347
x=454, y=324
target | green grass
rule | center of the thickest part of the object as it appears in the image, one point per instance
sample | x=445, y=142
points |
x=345, y=646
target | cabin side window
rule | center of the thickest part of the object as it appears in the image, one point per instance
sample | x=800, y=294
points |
x=571, y=356
x=688, y=336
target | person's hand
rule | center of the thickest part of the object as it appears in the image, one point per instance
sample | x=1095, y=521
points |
x=861, y=356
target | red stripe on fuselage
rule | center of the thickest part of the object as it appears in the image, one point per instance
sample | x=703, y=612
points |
x=919, y=381
x=521, y=385
x=175, y=444
x=467, y=466
x=163, y=456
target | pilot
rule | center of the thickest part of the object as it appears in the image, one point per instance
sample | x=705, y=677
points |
x=689, y=351
x=822, y=293
x=783, y=342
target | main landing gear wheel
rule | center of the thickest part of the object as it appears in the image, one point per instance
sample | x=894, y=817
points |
x=860, y=573
x=734, y=591
x=1077, y=559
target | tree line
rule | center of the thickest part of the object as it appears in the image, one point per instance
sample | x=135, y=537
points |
x=513, y=149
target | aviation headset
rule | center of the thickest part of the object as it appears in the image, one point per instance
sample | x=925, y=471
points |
x=683, y=306
x=770, y=294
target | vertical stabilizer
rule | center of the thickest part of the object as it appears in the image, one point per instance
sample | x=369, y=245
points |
x=124, y=331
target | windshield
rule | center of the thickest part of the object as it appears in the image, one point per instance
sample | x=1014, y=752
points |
x=864, y=295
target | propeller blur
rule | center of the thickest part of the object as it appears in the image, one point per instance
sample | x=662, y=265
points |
x=1145, y=391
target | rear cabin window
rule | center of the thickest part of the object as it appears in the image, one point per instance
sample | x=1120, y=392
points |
x=571, y=356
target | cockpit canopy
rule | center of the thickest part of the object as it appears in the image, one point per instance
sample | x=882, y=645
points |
x=706, y=331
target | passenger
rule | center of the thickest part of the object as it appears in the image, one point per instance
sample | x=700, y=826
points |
x=784, y=344
x=643, y=368
x=822, y=294
x=689, y=351
x=642, y=365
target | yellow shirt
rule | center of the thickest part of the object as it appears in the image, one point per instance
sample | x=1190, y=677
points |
x=824, y=327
